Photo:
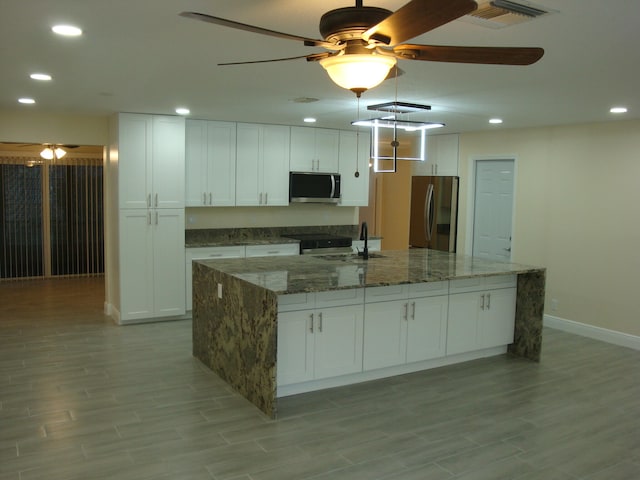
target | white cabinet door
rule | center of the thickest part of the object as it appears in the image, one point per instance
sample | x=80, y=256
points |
x=354, y=153
x=295, y=347
x=427, y=328
x=338, y=341
x=152, y=282
x=314, y=150
x=464, y=311
x=481, y=319
x=385, y=334
x=167, y=171
x=150, y=161
x=442, y=156
x=275, y=165
x=327, y=150
x=248, y=165
x=210, y=156
x=497, y=321
x=168, y=263
x=196, y=164
x=136, y=264
x=134, y=138
x=262, y=165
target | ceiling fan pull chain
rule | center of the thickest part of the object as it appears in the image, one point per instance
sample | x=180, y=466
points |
x=357, y=173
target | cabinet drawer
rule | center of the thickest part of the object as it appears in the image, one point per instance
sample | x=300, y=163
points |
x=428, y=289
x=337, y=298
x=500, y=281
x=386, y=293
x=462, y=285
x=296, y=301
x=272, y=250
x=204, y=253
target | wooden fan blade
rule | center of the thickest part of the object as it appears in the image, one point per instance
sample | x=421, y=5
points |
x=483, y=55
x=310, y=42
x=418, y=17
x=310, y=58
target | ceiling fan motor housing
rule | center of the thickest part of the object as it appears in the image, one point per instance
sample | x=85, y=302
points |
x=349, y=23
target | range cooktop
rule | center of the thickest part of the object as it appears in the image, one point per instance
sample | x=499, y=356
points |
x=312, y=241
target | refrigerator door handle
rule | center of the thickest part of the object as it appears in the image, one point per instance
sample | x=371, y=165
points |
x=428, y=213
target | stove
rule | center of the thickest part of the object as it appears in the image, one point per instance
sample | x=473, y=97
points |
x=322, y=243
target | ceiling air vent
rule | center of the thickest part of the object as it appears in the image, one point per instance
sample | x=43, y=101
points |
x=502, y=13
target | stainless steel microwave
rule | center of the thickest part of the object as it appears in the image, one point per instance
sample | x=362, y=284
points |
x=314, y=187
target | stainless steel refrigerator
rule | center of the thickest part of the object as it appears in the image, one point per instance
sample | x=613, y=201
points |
x=434, y=213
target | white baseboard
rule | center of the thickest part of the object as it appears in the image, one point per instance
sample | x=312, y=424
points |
x=591, y=331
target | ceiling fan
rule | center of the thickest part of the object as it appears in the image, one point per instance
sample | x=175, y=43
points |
x=364, y=43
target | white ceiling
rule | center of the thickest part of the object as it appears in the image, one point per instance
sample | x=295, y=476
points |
x=140, y=56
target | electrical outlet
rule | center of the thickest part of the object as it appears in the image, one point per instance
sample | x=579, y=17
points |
x=554, y=304
x=219, y=290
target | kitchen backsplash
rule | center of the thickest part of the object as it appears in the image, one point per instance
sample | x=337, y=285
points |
x=221, y=236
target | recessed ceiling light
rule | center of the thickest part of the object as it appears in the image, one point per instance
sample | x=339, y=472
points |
x=183, y=111
x=40, y=76
x=26, y=100
x=618, y=110
x=66, y=30
x=310, y=120
x=495, y=120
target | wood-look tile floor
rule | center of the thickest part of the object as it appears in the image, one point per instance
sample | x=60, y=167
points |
x=81, y=398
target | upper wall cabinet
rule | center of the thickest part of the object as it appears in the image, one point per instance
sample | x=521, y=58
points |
x=442, y=156
x=210, y=157
x=150, y=161
x=314, y=150
x=354, y=157
x=262, y=165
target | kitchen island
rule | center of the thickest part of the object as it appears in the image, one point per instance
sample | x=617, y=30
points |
x=237, y=305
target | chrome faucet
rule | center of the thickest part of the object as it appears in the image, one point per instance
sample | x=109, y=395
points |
x=364, y=235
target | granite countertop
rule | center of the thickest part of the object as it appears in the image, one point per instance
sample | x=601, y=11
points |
x=244, y=241
x=309, y=273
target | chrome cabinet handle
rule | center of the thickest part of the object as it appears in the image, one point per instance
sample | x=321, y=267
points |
x=210, y=198
x=266, y=198
x=156, y=199
x=149, y=200
x=406, y=311
x=482, y=304
x=311, y=323
x=148, y=218
x=320, y=322
x=413, y=310
x=204, y=198
x=488, y=301
x=156, y=218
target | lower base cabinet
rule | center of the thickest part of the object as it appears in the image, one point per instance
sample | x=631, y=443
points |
x=407, y=330
x=319, y=343
x=482, y=315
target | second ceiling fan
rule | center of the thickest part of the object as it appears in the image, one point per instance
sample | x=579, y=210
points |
x=364, y=43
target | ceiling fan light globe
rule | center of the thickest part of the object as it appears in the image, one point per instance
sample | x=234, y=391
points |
x=358, y=72
x=47, y=153
x=60, y=152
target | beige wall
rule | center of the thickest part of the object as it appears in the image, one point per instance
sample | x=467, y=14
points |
x=577, y=200
x=291, y=216
x=29, y=127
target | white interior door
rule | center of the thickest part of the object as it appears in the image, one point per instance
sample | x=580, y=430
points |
x=492, y=222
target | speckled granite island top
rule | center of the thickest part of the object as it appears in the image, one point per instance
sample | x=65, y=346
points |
x=308, y=273
x=235, y=305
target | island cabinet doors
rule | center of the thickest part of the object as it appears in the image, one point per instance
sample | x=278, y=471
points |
x=404, y=331
x=319, y=343
x=481, y=313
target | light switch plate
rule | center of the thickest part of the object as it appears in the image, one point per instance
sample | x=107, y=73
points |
x=219, y=290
